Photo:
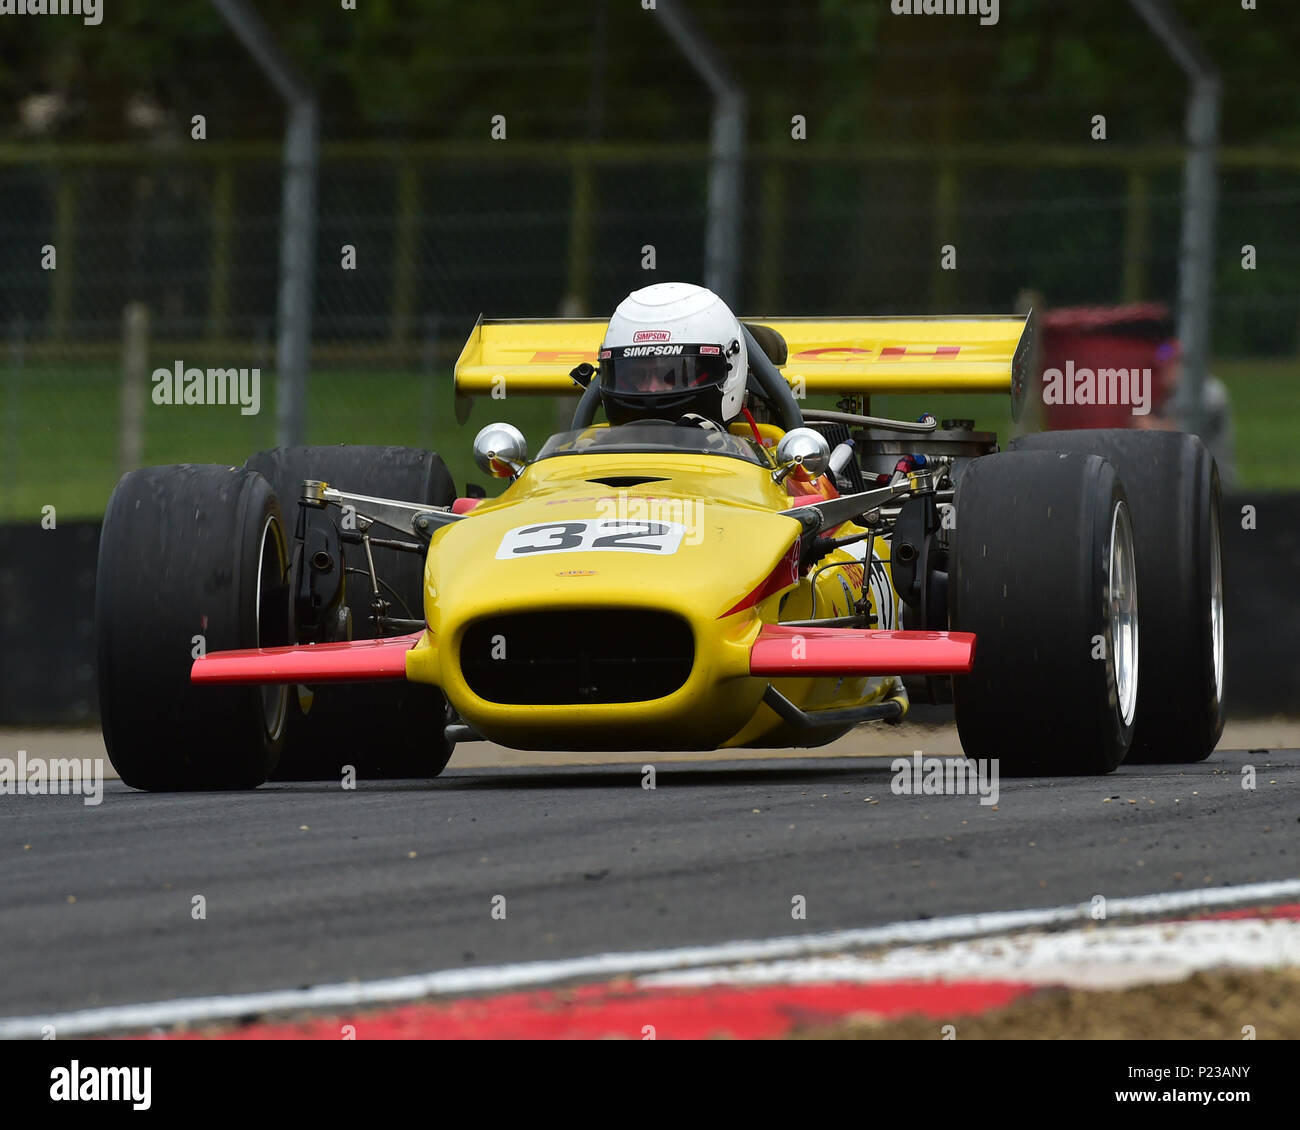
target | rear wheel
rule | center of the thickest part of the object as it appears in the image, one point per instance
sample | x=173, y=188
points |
x=1043, y=572
x=1173, y=489
x=381, y=729
x=191, y=559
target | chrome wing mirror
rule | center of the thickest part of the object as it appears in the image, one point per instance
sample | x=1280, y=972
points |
x=501, y=451
x=803, y=453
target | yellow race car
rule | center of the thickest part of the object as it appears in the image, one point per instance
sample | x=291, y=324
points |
x=655, y=585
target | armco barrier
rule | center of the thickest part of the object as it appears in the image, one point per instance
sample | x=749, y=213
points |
x=1261, y=563
x=47, y=582
x=47, y=637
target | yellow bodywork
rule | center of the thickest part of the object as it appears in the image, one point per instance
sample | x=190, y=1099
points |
x=735, y=541
x=739, y=540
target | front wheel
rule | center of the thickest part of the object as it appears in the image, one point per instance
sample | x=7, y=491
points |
x=1043, y=572
x=1173, y=488
x=191, y=559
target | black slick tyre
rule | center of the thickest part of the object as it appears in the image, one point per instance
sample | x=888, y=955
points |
x=191, y=558
x=1042, y=571
x=1173, y=490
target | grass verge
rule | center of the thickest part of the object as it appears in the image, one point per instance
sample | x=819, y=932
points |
x=59, y=426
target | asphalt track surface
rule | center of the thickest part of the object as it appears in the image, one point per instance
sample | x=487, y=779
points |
x=309, y=883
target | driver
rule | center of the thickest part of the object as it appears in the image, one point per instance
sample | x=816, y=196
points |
x=673, y=351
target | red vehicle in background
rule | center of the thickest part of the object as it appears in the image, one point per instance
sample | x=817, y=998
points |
x=1136, y=336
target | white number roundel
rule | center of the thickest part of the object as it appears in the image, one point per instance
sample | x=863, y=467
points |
x=586, y=535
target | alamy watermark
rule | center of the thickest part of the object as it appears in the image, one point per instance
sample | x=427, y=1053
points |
x=630, y=510
x=945, y=776
x=1098, y=386
x=52, y=776
x=179, y=385
x=90, y=11
x=987, y=10
x=75, y=1083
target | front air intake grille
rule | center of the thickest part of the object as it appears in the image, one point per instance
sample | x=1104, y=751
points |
x=573, y=658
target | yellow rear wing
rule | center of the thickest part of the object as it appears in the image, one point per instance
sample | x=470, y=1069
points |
x=839, y=356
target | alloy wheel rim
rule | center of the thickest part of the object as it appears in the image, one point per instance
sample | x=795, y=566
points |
x=1216, y=603
x=275, y=699
x=1122, y=617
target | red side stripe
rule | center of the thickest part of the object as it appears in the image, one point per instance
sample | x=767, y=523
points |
x=783, y=576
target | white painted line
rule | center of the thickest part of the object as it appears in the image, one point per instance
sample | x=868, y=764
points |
x=1109, y=957
x=208, y=1010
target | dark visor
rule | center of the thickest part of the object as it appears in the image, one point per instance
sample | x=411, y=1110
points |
x=661, y=368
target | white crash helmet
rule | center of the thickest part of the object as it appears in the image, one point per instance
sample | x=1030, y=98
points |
x=673, y=350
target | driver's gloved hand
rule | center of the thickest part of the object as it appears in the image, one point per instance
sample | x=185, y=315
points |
x=695, y=420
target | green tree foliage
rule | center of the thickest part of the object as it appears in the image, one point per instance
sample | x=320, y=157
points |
x=567, y=71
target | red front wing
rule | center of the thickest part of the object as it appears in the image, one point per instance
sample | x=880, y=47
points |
x=778, y=651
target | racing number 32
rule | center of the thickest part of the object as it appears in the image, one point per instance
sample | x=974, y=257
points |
x=586, y=535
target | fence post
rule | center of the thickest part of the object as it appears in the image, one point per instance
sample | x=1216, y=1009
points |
x=297, y=216
x=771, y=232
x=405, y=245
x=297, y=269
x=219, y=268
x=1200, y=205
x=726, y=199
x=582, y=209
x=1136, y=237
x=945, y=227
x=429, y=366
x=65, y=223
x=13, y=409
x=135, y=368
